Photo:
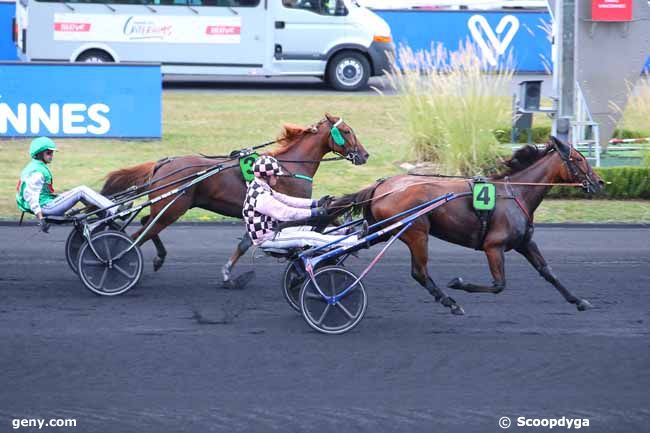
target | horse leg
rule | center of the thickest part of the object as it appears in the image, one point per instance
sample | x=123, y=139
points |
x=174, y=212
x=161, y=251
x=241, y=249
x=535, y=258
x=417, y=241
x=494, y=254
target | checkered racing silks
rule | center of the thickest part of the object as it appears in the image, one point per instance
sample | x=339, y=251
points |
x=266, y=166
x=257, y=224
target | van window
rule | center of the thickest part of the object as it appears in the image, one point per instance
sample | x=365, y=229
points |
x=322, y=7
x=226, y=3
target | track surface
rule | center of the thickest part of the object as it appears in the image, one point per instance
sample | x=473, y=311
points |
x=179, y=354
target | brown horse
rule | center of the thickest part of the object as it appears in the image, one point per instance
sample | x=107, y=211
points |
x=520, y=190
x=300, y=152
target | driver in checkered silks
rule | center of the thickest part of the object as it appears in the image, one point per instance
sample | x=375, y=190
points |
x=264, y=208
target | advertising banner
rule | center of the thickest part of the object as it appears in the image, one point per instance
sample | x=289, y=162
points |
x=147, y=28
x=80, y=100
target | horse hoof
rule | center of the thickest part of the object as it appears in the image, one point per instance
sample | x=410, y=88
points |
x=457, y=310
x=584, y=305
x=456, y=284
x=157, y=263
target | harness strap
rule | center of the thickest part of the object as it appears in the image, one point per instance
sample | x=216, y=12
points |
x=524, y=210
x=484, y=217
x=303, y=177
x=510, y=191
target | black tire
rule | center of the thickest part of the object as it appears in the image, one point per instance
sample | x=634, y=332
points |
x=292, y=281
x=72, y=246
x=112, y=273
x=95, y=56
x=341, y=316
x=348, y=71
x=75, y=241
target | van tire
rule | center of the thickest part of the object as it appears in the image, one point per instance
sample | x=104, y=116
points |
x=348, y=71
x=95, y=56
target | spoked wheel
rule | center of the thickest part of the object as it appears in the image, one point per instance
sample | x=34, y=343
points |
x=111, y=272
x=75, y=241
x=341, y=316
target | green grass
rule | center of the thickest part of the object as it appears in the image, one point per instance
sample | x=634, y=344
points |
x=593, y=211
x=216, y=124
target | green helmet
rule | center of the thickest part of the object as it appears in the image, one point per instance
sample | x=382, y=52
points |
x=40, y=144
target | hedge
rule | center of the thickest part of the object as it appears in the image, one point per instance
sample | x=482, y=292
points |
x=626, y=183
x=541, y=134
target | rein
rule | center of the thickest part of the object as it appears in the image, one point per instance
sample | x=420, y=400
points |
x=498, y=181
x=430, y=182
x=236, y=153
x=312, y=161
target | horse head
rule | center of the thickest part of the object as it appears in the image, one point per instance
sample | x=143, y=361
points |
x=343, y=141
x=576, y=167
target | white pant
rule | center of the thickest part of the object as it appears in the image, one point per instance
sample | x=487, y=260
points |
x=68, y=199
x=303, y=236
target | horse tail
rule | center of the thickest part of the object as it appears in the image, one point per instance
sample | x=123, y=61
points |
x=358, y=202
x=124, y=178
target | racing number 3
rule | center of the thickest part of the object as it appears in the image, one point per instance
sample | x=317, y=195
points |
x=246, y=165
x=484, y=196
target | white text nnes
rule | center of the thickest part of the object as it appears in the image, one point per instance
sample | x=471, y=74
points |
x=66, y=119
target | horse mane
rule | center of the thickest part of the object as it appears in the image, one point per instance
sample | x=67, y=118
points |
x=287, y=138
x=523, y=158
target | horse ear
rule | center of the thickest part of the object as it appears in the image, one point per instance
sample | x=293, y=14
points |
x=561, y=146
x=330, y=118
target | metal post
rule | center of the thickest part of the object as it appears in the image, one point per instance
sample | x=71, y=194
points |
x=564, y=66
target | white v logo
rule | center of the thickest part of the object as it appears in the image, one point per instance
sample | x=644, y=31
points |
x=497, y=47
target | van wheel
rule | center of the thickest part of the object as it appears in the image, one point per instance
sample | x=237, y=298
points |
x=95, y=56
x=348, y=71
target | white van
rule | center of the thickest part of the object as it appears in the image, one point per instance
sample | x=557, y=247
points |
x=338, y=40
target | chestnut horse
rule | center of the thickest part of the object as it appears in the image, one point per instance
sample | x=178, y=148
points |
x=300, y=152
x=520, y=189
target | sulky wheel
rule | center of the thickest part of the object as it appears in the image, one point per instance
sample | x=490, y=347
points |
x=112, y=271
x=292, y=281
x=75, y=241
x=339, y=317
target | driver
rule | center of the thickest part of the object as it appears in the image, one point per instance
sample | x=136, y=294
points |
x=35, y=193
x=264, y=208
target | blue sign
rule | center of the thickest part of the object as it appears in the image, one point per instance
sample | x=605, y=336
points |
x=80, y=100
x=7, y=46
x=496, y=34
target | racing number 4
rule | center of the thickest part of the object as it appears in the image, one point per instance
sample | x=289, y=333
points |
x=484, y=195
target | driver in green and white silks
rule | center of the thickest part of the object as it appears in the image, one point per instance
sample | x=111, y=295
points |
x=35, y=191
